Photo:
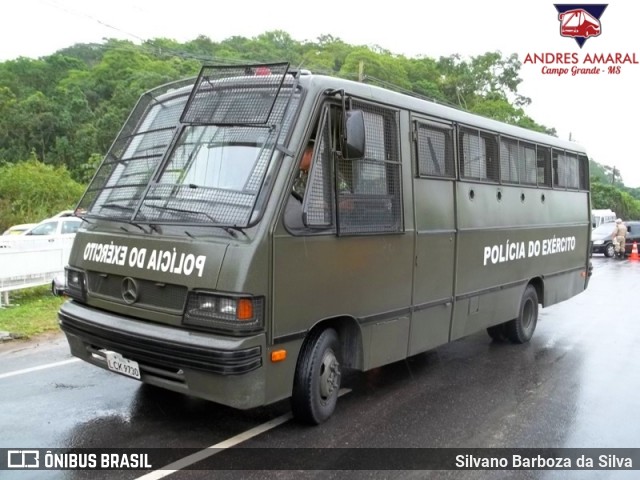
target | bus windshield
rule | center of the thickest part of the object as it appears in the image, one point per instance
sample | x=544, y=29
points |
x=197, y=154
x=213, y=175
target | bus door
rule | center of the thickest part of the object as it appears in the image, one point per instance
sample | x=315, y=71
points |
x=433, y=189
x=340, y=251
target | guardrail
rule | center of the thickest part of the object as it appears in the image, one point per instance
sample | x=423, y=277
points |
x=30, y=261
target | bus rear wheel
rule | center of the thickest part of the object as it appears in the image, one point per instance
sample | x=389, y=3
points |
x=520, y=329
x=317, y=378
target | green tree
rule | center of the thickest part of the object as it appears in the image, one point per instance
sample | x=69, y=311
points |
x=31, y=191
x=375, y=66
x=68, y=107
x=609, y=196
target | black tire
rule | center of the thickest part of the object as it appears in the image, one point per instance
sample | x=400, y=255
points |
x=497, y=332
x=609, y=250
x=520, y=329
x=317, y=378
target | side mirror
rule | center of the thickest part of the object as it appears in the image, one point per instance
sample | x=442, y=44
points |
x=354, y=133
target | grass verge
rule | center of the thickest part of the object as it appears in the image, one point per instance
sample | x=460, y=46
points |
x=31, y=312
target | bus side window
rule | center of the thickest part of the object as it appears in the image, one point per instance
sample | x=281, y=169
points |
x=368, y=192
x=543, y=155
x=363, y=194
x=583, y=172
x=434, y=150
x=566, y=170
x=509, y=161
x=527, y=163
x=491, y=141
x=318, y=200
x=479, y=155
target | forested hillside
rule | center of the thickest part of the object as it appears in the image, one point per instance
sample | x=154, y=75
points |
x=61, y=112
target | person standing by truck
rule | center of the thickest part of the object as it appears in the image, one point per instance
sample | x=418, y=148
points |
x=619, y=238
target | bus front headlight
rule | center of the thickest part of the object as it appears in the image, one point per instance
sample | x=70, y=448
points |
x=240, y=314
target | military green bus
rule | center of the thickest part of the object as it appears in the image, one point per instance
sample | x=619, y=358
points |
x=255, y=231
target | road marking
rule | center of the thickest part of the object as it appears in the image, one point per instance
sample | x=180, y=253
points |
x=213, y=449
x=218, y=447
x=35, y=369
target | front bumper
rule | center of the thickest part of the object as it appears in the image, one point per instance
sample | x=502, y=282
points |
x=226, y=370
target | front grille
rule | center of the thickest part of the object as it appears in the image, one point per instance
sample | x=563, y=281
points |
x=152, y=295
x=163, y=353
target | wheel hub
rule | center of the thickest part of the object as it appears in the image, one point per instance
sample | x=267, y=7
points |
x=329, y=375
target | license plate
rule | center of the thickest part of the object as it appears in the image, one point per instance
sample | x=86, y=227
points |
x=118, y=363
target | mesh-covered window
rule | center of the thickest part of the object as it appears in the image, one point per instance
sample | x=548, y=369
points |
x=583, y=168
x=160, y=170
x=478, y=155
x=235, y=95
x=133, y=158
x=318, y=201
x=368, y=189
x=573, y=174
x=517, y=162
x=557, y=161
x=565, y=169
x=213, y=176
x=543, y=156
x=434, y=149
x=527, y=155
x=570, y=170
x=509, y=161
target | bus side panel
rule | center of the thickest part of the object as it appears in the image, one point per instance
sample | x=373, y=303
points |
x=387, y=342
x=480, y=311
x=561, y=287
x=320, y=277
x=506, y=242
x=434, y=265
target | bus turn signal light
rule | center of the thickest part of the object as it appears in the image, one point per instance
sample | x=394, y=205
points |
x=244, y=309
x=278, y=355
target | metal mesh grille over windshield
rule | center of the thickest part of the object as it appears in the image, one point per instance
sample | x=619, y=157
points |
x=197, y=155
x=234, y=95
x=213, y=176
x=126, y=170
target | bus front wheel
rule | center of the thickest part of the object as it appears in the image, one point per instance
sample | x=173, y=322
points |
x=520, y=329
x=317, y=378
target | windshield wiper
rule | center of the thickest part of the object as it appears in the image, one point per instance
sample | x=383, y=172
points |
x=230, y=230
x=181, y=210
x=117, y=206
x=129, y=222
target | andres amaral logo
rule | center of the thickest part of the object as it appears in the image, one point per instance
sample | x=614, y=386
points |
x=580, y=21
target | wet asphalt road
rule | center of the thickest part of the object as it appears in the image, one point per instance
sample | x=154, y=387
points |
x=576, y=384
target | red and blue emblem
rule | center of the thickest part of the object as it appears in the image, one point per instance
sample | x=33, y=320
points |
x=580, y=21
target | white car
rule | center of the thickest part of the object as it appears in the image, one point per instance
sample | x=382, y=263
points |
x=56, y=226
x=60, y=226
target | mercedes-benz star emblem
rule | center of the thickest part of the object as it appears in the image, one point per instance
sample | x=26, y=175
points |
x=129, y=290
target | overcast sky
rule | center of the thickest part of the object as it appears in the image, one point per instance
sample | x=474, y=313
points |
x=598, y=111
